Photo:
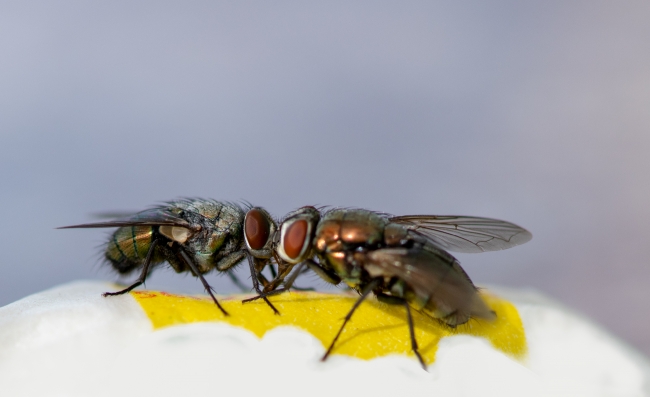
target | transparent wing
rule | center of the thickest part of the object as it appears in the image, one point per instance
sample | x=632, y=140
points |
x=151, y=217
x=431, y=276
x=466, y=233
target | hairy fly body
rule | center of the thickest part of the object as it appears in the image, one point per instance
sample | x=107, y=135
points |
x=192, y=235
x=402, y=260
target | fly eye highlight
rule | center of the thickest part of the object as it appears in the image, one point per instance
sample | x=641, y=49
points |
x=176, y=233
x=257, y=228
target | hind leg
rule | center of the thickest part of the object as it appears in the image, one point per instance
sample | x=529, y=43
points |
x=393, y=300
x=143, y=274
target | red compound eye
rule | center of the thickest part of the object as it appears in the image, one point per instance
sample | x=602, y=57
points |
x=294, y=238
x=257, y=229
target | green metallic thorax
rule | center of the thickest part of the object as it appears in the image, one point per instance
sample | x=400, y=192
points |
x=217, y=244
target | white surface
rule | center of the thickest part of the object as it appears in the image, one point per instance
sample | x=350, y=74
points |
x=69, y=341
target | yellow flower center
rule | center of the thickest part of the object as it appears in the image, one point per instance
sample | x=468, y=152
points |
x=376, y=329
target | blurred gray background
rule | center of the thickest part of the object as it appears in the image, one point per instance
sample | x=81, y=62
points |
x=536, y=114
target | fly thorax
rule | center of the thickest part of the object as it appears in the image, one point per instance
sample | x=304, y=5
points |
x=204, y=261
x=360, y=233
x=395, y=235
x=327, y=233
x=215, y=241
x=328, y=242
x=230, y=221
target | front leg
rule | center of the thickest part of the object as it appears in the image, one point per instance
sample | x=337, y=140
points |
x=271, y=288
x=284, y=268
x=256, y=265
x=317, y=268
x=255, y=277
x=324, y=273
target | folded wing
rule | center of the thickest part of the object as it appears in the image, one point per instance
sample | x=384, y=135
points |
x=432, y=276
x=151, y=217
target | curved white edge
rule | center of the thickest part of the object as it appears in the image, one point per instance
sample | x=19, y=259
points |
x=70, y=341
x=574, y=355
x=70, y=313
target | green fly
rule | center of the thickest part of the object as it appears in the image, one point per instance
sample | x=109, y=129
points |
x=192, y=235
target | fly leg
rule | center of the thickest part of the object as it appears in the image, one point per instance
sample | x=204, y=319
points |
x=261, y=278
x=259, y=266
x=325, y=274
x=143, y=274
x=229, y=262
x=414, y=342
x=271, y=288
x=184, y=257
x=394, y=300
x=304, y=270
x=226, y=264
x=264, y=294
x=366, y=291
x=322, y=272
x=274, y=274
x=284, y=269
x=303, y=289
x=256, y=284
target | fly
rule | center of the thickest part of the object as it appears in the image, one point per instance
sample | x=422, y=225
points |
x=192, y=235
x=402, y=260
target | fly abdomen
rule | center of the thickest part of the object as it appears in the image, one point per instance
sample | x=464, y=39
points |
x=128, y=247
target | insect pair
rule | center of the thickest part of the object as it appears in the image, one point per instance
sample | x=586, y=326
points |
x=402, y=260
